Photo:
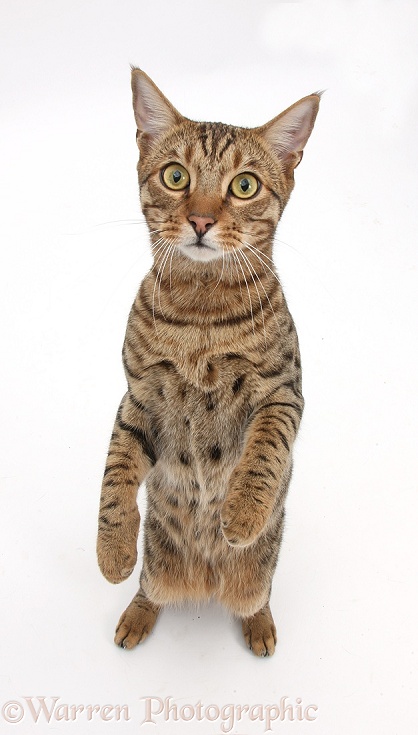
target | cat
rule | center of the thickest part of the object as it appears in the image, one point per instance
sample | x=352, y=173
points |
x=212, y=363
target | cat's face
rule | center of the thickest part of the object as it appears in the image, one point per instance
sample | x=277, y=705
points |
x=210, y=188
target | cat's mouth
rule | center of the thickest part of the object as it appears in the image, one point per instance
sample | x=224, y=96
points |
x=200, y=244
x=200, y=249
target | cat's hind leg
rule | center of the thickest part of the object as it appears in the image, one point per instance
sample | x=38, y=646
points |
x=137, y=622
x=245, y=587
x=247, y=595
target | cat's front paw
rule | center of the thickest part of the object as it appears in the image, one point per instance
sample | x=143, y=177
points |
x=116, y=560
x=241, y=520
x=117, y=547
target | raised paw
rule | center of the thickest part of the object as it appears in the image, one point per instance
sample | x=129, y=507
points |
x=117, y=546
x=241, y=522
x=137, y=622
x=116, y=560
x=260, y=632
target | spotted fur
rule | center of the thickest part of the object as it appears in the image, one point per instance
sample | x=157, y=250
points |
x=212, y=362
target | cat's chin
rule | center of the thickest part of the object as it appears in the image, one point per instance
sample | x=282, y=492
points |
x=201, y=253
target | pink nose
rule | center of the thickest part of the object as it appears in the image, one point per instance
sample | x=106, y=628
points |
x=201, y=224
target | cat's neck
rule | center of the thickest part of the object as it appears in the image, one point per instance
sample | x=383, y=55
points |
x=203, y=312
x=222, y=290
x=250, y=262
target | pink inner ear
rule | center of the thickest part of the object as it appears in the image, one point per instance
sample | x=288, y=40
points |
x=148, y=115
x=304, y=125
x=290, y=131
x=154, y=114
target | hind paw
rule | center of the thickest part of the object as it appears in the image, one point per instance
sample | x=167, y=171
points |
x=137, y=622
x=260, y=632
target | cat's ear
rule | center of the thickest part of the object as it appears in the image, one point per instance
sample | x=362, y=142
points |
x=288, y=133
x=154, y=114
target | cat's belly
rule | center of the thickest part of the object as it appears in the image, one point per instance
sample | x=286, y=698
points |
x=201, y=441
x=198, y=437
x=198, y=434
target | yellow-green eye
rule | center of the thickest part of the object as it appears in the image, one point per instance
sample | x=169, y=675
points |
x=176, y=177
x=244, y=186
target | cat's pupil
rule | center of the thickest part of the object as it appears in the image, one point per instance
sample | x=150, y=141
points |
x=176, y=176
x=244, y=184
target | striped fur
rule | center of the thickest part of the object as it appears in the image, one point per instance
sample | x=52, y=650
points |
x=212, y=362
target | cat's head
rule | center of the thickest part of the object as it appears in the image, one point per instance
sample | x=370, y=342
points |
x=209, y=188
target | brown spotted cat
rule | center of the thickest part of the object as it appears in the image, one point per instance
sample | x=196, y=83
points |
x=213, y=369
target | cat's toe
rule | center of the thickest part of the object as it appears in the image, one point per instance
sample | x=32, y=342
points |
x=116, y=558
x=233, y=538
x=129, y=633
x=238, y=533
x=136, y=623
x=117, y=569
x=260, y=632
x=241, y=524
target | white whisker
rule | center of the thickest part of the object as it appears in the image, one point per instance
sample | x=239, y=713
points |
x=171, y=257
x=237, y=277
x=220, y=277
x=160, y=245
x=118, y=222
x=170, y=248
x=258, y=252
x=251, y=269
x=248, y=289
x=262, y=285
x=163, y=253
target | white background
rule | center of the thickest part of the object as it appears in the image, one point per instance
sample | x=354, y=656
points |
x=344, y=594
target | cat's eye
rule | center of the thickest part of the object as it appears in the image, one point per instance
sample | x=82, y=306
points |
x=244, y=186
x=175, y=176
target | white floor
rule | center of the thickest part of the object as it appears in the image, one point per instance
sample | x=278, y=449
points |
x=344, y=594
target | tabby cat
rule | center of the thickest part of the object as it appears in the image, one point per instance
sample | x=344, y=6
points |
x=213, y=369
